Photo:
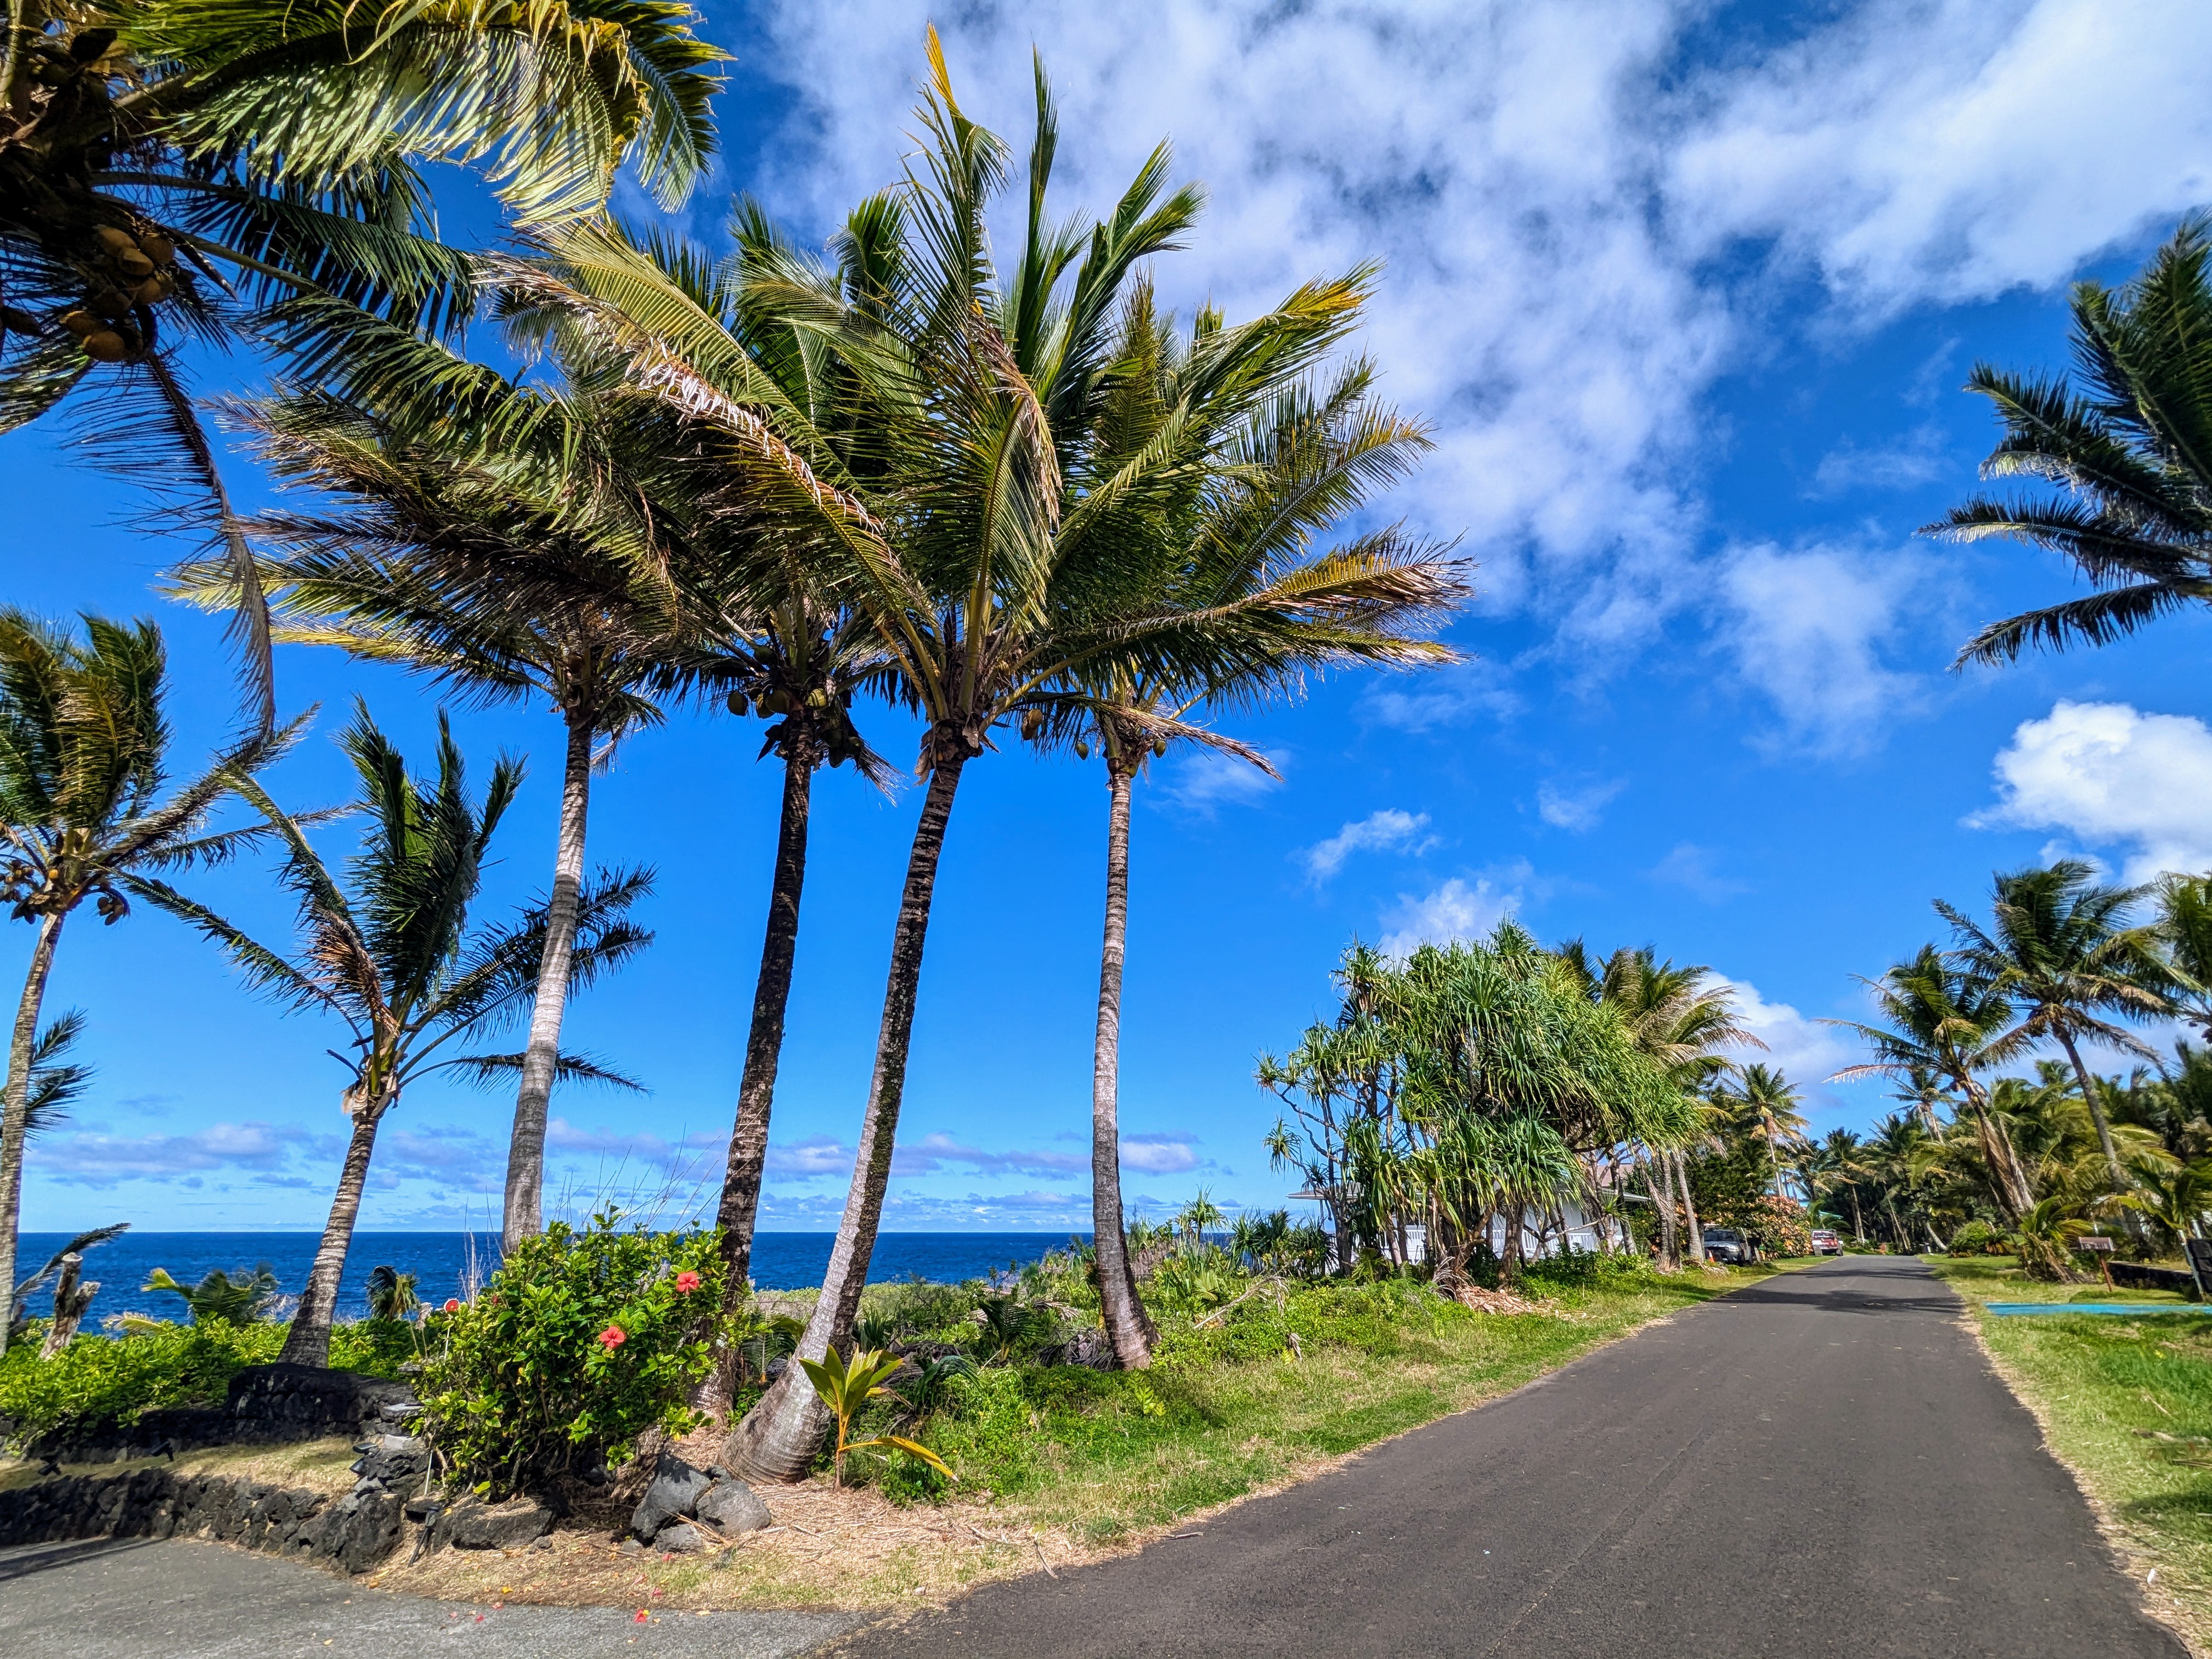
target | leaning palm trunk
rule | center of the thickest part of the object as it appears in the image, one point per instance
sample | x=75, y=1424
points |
x=1127, y=1327
x=13, y=1124
x=779, y=1437
x=525, y=1153
x=741, y=1179
x=309, y=1342
x=2013, y=1186
x=2096, y=1110
x=1696, y=1233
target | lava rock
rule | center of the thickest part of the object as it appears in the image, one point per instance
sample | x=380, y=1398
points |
x=1088, y=1347
x=394, y=1459
x=680, y=1538
x=676, y=1487
x=732, y=1506
x=514, y=1525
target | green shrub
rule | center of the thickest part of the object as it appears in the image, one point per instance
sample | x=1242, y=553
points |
x=1975, y=1238
x=102, y=1381
x=582, y=1341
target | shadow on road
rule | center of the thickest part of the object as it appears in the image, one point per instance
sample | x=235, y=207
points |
x=45, y=1558
x=1843, y=1299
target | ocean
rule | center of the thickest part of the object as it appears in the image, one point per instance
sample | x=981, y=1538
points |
x=446, y=1264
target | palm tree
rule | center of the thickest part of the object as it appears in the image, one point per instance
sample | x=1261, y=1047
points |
x=1946, y=1024
x=1844, y=1165
x=87, y=811
x=2060, y=948
x=396, y=959
x=999, y=566
x=172, y=170
x=1287, y=463
x=2137, y=518
x=1196, y=1218
x=2184, y=928
x=529, y=576
x=775, y=641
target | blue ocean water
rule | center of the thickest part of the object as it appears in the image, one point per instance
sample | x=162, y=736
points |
x=448, y=1264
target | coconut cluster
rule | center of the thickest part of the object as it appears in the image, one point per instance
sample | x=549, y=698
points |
x=827, y=710
x=128, y=273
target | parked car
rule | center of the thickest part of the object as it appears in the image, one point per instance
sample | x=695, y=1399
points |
x=1826, y=1242
x=1727, y=1244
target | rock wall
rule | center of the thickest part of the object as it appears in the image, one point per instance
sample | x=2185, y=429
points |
x=264, y=1405
x=354, y=1532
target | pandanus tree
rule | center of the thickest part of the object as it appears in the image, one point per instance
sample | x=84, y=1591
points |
x=173, y=172
x=2059, y=947
x=1272, y=458
x=389, y=950
x=1938, y=1022
x=505, y=552
x=2132, y=451
x=88, y=812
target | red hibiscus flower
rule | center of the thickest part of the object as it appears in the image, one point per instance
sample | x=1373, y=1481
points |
x=613, y=1337
x=686, y=1282
x=452, y=1304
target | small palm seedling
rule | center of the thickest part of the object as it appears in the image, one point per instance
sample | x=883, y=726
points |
x=222, y=1298
x=1008, y=1325
x=845, y=1388
x=930, y=1390
x=870, y=1332
x=391, y=1293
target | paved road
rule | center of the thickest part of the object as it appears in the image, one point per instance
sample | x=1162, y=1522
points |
x=139, y=1599
x=1821, y=1464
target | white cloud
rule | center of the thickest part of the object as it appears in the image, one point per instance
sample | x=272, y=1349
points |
x=817, y=1155
x=1443, y=697
x=1208, y=780
x=91, y=1158
x=1579, y=210
x=934, y=1152
x=1456, y=910
x=1384, y=831
x=1805, y=627
x=1947, y=151
x=1576, y=807
x=1158, y=1154
x=1917, y=458
x=1692, y=867
x=2113, y=776
x=1804, y=1050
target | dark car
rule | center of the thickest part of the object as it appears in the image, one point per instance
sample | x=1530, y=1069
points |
x=1727, y=1244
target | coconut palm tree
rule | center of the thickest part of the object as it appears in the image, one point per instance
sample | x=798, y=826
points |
x=88, y=811
x=2184, y=929
x=777, y=642
x=1946, y=1023
x=2059, y=947
x=1843, y=1165
x=1269, y=468
x=2131, y=452
x=390, y=950
x=172, y=171
x=525, y=570
x=1001, y=563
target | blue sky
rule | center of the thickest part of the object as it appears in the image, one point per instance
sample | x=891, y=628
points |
x=1687, y=290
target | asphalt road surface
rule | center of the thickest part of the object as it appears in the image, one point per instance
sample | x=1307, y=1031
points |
x=1820, y=1464
x=138, y=1599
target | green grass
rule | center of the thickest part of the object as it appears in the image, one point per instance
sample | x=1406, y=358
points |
x=2126, y=1403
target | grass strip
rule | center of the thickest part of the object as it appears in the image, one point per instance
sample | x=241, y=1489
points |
x=2125, y=1403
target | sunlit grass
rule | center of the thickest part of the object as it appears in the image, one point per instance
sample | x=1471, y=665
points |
x=2126, y=1403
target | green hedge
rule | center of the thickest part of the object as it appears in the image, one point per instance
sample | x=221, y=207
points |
x=102, y=1380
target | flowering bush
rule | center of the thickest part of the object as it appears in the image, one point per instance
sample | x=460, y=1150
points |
x=1778, y=1226
x=583, y=1340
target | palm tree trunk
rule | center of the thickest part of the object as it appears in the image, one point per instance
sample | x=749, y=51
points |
x=1858, y=1225
x=309, y=1340
x=1661, y=1185
x=1127, y=1327
x=1689, y=1210
x=13, y=1105
x=2014, y=1188
x=741, y=1177
x=779, y=1437
x=2096, y=1109
x=526, y=1151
